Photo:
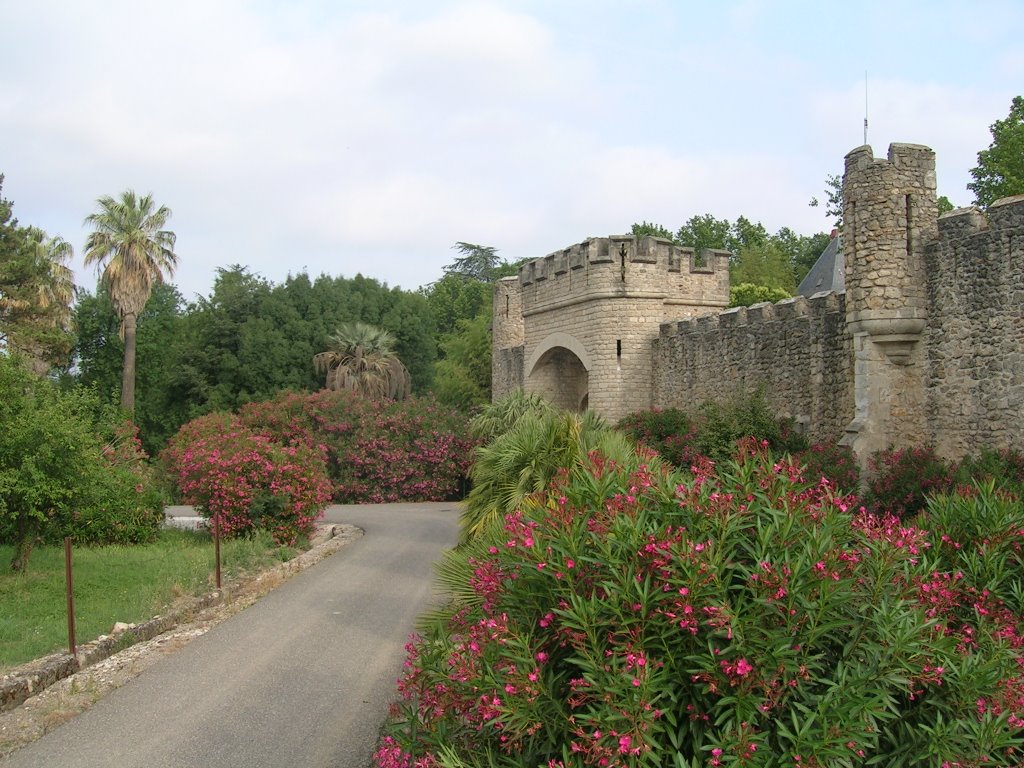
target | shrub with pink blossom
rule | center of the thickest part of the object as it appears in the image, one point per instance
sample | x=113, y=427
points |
x=377, y=450
x=734, y=616
x=246, y=479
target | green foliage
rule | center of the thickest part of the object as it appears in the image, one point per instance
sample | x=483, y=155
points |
x=167, y=390
x=746, y=294
x=522, y=460
x=833, y=199
x=832, y=461
x=681, y=438
x=477, y=262
x=722, y=425
x=462, y=377
x=247, y=341
x=944, y=204
x=777, y=260
x=633, y=617
x=497, y=418
x=36, y=291
x=763, y=264
x=650, y=229
x=1000, y=169
x=1003, y=467
x=67, y=470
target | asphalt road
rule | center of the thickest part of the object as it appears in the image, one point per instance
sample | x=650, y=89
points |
x=301, y=678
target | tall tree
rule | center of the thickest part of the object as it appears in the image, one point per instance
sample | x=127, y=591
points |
x=1000, y=169
x=477, y=262
x=131, y=246
x=36, y=292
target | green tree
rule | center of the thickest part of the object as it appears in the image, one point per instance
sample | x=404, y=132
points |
x=131, y=246
x=1000, y=169
x=705, y=231
x=833, y=199
x=58, y=474
x=361, y=357
x=477, y=262
x=764, y=263
x=36, y=292
x=650, y=229
x=746, y=294
x=463, y=376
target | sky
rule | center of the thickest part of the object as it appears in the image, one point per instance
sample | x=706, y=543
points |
x=357, y=137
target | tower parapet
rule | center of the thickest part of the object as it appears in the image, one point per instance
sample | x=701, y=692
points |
x=588, y=315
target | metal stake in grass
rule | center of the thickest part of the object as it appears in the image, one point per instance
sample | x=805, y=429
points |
x=216, y=544
x=71, y=595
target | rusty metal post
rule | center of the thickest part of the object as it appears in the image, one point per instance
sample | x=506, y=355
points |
x=216, y=544
x=72, y=646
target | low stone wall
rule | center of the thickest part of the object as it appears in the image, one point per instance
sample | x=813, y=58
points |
x=797, y=352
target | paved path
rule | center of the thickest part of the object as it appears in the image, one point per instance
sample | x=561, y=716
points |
x=301, y=678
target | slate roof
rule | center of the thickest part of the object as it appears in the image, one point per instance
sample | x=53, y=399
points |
x=828, y=272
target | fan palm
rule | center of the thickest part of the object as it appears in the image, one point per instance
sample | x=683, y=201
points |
x=509, y=471
x=361, y=357
x=131, y=246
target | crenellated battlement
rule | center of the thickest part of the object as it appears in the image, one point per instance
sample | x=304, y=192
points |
x=760, y=315
x=621, y=252
x=1005, y=215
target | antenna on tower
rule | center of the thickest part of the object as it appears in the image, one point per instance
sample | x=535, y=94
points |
x=865, y=106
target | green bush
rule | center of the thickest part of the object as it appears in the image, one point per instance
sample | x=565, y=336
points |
x=68, y=468
x=635, y=617
x=1004, y=467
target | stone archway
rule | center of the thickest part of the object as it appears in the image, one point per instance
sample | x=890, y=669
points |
x=559, y=371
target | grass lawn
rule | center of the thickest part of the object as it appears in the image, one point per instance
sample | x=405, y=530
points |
x=116, y=583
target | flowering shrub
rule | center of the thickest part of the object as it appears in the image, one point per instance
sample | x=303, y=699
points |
x=670, y=432
x=376, y=450
x=638, y=617
x=830, y=460
x=246, y=479
x=900, y=479
x=711, y=430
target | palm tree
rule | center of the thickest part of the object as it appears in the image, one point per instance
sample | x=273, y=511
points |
x=134, y=250
x=361, y=357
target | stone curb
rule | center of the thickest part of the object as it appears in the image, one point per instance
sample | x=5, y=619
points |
x=29, y=679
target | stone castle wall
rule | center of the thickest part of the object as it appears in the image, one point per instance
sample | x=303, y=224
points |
x=925, y=346
x=796, y=352
x=974, y=342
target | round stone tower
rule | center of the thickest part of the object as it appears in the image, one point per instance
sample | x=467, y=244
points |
x=889, y=216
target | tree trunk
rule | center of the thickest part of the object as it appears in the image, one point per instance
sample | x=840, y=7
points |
x=128, y=372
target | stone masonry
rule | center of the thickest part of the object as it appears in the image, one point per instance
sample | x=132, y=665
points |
x=925, y=346
x=576, y=326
